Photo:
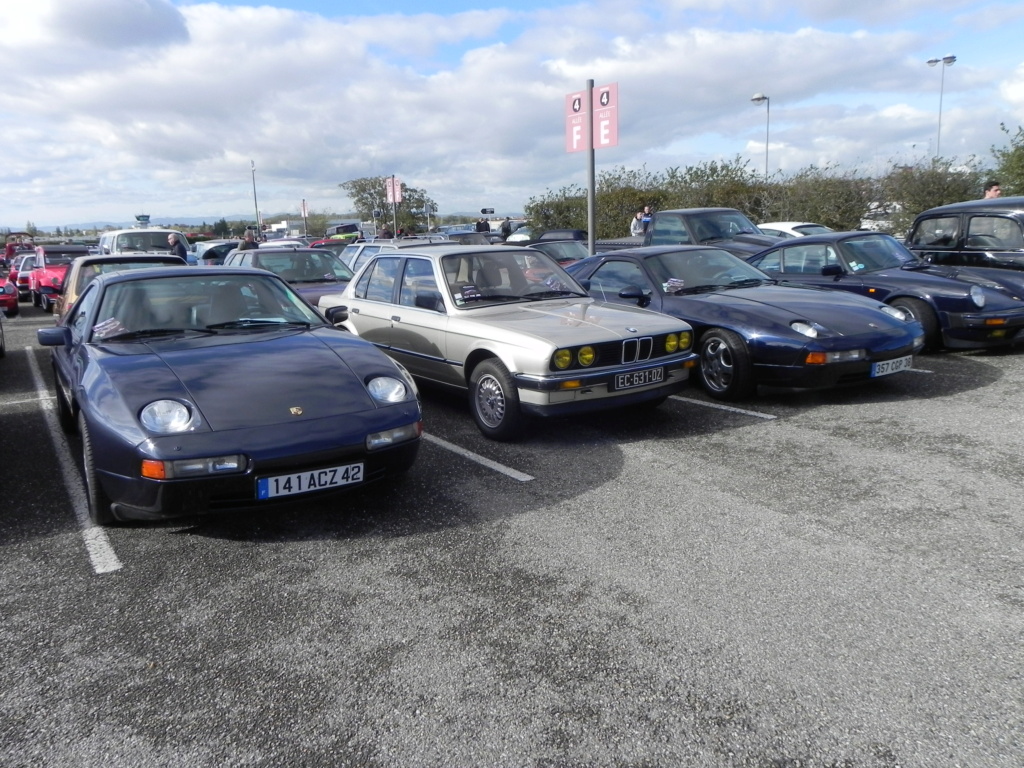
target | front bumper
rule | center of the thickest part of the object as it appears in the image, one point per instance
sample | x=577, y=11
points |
x=980, y=330
x=281, y=450
x=548, y=395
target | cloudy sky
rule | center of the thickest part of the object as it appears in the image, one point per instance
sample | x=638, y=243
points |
x=110, y=108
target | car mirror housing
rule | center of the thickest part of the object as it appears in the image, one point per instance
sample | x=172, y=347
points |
x=336, y=315
x=54, y=337
x=637, y=294
x=832, y=270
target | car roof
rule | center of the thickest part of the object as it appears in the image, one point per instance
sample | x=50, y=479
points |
x=126, y=258
x=151, y=273
x=996, y=204
x=53, y=248
x=828, y=237
x=165, y=230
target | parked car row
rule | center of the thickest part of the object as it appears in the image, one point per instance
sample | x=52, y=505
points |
x=145, y=348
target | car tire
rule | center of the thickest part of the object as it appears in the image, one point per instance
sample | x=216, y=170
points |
x=494, y=401
x=925, y=315
x=99, y=503
x=36, y=299
x=3, y=343
x=725, y=368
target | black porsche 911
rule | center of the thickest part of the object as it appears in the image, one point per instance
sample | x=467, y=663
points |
x=959, y=307
x=750, y=330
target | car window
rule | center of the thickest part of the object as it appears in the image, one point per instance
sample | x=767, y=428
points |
x=994, y=233
x=938, y=232
x=418, y=279
x=770, y=262
x=80, y=314
x=612, y=276
x=669, y=230
x=381, y=285
x=805, y=259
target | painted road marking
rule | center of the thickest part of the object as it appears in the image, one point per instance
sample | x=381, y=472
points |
x=508, y=471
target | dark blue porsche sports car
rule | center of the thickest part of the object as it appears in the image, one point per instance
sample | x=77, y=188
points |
x=751, y=331
x=199, y=390
x=959, y=307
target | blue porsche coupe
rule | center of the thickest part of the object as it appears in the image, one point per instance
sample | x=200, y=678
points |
x=750, y=330
x=200, y=390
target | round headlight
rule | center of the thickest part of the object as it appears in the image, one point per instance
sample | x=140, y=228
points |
x=804, y=328
x=978, y=296
x=562, y=359
x=893, y=312
x=586, y=356
x=385, y=389
x=671, y=342
x=166, y=417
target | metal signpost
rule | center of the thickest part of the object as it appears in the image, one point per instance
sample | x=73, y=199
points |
x=589, y=129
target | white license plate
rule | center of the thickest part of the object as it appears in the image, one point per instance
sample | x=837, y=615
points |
x=639, y=378
x=305, y=482
x=886, y=367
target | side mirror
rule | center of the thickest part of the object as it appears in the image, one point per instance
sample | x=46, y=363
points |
x=429, y=300
x=635, y=293
x=58, y=336
x=336, y=315
x=832, y=270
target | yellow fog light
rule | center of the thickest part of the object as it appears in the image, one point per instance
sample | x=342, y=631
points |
x=586, y=356
x=562, y=358
x=574, y=384
x=671, y=342
x=685, y=340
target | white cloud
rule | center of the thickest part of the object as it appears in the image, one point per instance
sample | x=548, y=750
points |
x=111, y=104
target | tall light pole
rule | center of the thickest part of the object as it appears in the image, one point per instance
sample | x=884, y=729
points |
x=258, y=229
x=757, y=98
x=945, y=61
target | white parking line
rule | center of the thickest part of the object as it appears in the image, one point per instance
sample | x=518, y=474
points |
x=721, y=407
x=513, y=473
x=102, y=555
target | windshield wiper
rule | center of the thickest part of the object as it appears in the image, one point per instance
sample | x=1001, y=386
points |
x=149, y=333
x=552, y=294
x=746, y=282
x=251, y=322
x=706, y=288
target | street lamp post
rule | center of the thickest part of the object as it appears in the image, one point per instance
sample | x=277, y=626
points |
x=945, y=61
x=757, y=98
x=254, y=201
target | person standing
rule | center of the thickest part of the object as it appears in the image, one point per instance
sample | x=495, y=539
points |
x=249, y=242
x=506, y=228
x=177, y=247
x=992, y=189
x=647, y=215
x=636, y=226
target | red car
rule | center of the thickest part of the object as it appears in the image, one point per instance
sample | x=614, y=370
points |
x=9, y=299
x=16, y=246
x=48, y=272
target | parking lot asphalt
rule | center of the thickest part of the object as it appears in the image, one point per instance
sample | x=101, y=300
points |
x=830, y=578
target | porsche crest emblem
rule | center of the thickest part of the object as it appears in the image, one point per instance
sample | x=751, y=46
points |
x=295, y=410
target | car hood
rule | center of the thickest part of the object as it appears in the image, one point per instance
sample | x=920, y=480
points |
x=574, y=321
x=244, y=380
x=842, y=313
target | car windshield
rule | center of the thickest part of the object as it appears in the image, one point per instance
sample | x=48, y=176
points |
x=155, y=306
x=89, y=272
x=701, y=270
x=316, y=266
x=519, y=275
x=562, y=251
x=875, y=252
x=59, y=259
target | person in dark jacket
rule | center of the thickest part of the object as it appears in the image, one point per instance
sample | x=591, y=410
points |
x=177, y=247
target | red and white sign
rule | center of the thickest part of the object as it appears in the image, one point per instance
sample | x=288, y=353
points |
x=393, y=189
x=605, y=121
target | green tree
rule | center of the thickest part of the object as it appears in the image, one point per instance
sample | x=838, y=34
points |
x=910, y=189
x=823, y=195
x=1010, y=162
x=221, y=229
x=368, y=194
